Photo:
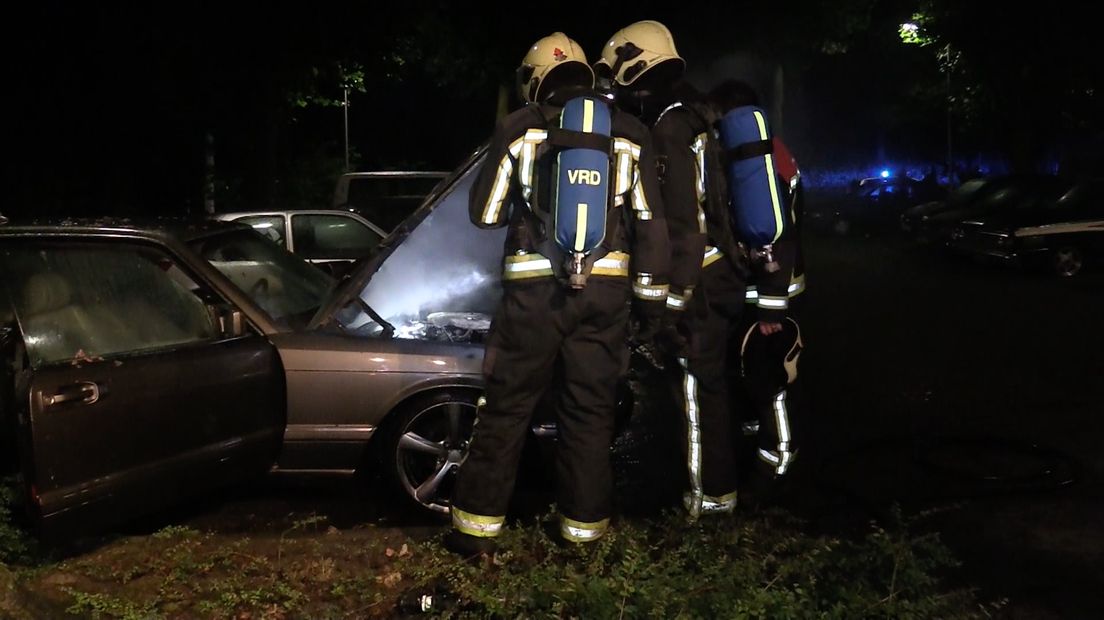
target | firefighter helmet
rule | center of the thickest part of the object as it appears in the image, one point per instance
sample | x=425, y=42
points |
x=638, y=49
x=552, y=64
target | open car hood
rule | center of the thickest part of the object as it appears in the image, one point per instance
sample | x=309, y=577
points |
x=435, y=277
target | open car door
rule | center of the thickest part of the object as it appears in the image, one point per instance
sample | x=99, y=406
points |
x=135, y=386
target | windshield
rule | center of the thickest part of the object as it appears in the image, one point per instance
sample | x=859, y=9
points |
x=966, y=192
x=441, y=282
x=289, y=289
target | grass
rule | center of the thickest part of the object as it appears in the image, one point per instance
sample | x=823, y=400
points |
x=762, y=565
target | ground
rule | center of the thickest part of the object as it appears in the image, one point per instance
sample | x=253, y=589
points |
x=966, y=394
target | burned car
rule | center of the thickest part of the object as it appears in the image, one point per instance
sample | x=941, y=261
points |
x=148, y=362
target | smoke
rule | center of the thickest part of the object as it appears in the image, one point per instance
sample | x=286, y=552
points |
x=446, y=264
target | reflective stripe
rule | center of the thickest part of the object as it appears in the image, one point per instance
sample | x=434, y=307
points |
x=476, y=525
x=698, y=147
x=624, y=164
x=750, y=428
x=621, y=145
x=521, y=266
x=752, y=294
x=650, y=291
x=702, y=228
x=501, y=184
x=714, y=505
x=527, y=169
x=769, y=456
x=693, y=439
x=588, y=116
x=711, y=256
x=782, y=418
x=771, y=180
x=674, y=105
x=612, y=264
x=676, y=302
x=773, y=303
x=640, y=203
x=581, y=221
x=797, y=286
x=645, y=278
x=579, y=531
x=530, y=141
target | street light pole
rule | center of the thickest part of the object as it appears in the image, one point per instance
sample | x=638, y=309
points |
x=950, y=151
x=346, y=106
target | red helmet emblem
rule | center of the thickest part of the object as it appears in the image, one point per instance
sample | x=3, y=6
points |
x=559, y=55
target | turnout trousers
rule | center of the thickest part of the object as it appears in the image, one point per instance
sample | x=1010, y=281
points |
x=701, y=385
x=541, y=324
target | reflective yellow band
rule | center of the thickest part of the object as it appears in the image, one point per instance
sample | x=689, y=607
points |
x=581, y=221
x=677, y=302
x=476, y=525
x=498, y=190
x=612, y=264
x=693, y=439
x=522, y=266
x=579, y=531
x=711, y=256
x=772, y=303
x=752, y=294
x=640, y=203
x=650, y=292
x=621, y=145
x=724, y=503
x=771, y=180
x=797, y=286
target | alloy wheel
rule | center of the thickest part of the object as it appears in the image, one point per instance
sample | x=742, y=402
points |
x=431, y=446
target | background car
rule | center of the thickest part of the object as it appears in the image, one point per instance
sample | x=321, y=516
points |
x=329, y=239
x=1062, y=235
x=1003, y=195
x=876, y=203
x=386, y=197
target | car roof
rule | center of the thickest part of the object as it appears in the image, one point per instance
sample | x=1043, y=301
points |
x=404, y=174
x=181, y=229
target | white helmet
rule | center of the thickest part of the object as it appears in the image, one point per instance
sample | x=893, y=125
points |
x=553, y=63
x=638, y=49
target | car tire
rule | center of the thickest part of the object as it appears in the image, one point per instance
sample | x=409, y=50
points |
x=425, y=443
x=1067, y=261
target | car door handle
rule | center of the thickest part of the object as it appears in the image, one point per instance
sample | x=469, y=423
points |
x=85, y=392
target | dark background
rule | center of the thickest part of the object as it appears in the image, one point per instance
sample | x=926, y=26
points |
x=111, y=106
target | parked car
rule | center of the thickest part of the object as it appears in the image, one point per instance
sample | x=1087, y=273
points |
x=386, y=197
x=1063, y=235
x=914, y=221
x=330, y=239
x=876, y=202
x=1005, y=194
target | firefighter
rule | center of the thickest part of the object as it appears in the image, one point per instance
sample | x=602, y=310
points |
x=771, y=343
x=707, y=282
x=564, y=314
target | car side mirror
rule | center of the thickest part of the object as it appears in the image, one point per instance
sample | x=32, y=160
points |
x=227, y=320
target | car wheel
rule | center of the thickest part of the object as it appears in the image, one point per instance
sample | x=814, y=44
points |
x=1067, y=261
x=426, y=444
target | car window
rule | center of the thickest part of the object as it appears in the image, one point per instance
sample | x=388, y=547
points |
x=283, y=285
x=271, y=226
x=325, y=236
x=87, y=301
x=440, y=282
x=386, y=201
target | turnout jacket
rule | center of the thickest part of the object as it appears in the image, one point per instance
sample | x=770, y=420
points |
x=517, y=177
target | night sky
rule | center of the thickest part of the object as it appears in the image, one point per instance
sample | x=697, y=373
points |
x=113, y=104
